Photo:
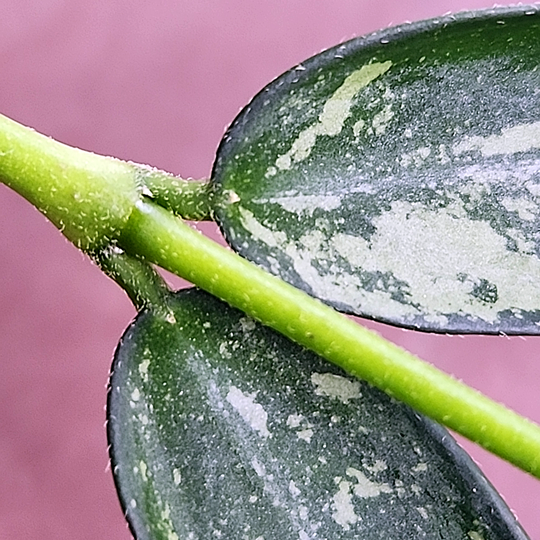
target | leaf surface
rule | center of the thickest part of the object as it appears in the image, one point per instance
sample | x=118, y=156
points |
x=397, y=176
x=222, y=428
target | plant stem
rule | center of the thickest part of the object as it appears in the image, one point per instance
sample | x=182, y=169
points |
x=140, y=281
x=190, y=199
x=88, y=197
x=165, y=240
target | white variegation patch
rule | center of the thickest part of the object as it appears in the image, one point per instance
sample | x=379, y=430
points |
x=520, y=138
x=344, y=513
x=335, y=111
x=253, y=413
x=438, y=254
x=304, y=204
x=335, y=386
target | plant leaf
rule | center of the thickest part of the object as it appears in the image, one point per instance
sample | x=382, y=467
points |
x=222, y=428
x=397, y=176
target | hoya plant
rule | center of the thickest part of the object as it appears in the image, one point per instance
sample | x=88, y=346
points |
x=394, y=177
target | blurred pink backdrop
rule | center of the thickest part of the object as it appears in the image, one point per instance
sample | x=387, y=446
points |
x=156, y=82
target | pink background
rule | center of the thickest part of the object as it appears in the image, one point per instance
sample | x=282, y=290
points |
x=155, y=82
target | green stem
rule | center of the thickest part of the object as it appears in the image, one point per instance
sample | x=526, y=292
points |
x=88, y=197
x=140, y=281
x=190, y=199
x=165, y=240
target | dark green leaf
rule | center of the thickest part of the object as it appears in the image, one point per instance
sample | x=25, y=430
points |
x=397, y=176
x=222, y=428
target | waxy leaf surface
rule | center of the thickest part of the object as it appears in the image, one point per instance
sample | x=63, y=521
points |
x=397, y=176
x=222, y=428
